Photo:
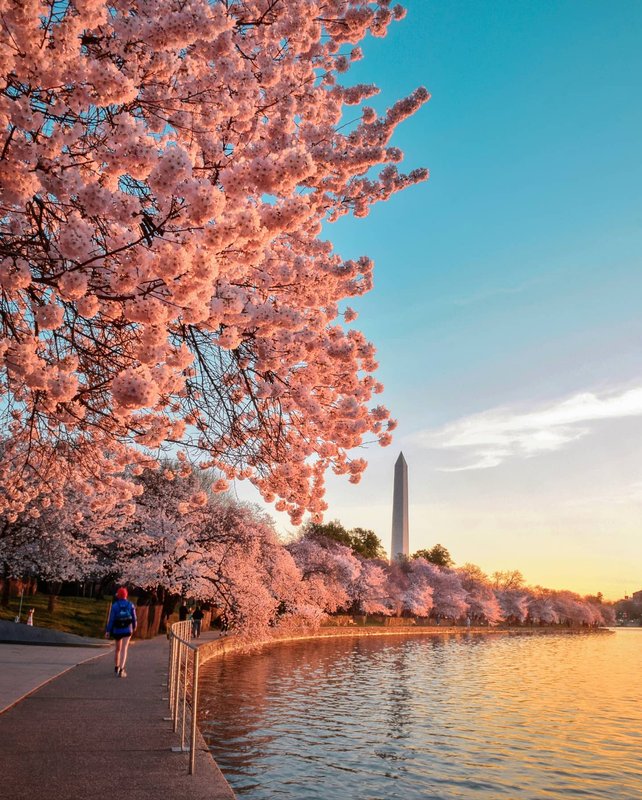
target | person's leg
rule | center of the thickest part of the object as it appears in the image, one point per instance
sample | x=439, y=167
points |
x=117, y=654
x=123, y=653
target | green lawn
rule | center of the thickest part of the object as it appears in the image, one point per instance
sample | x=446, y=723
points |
x=80, y=615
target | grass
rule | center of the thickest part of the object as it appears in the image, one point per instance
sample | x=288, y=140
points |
x=83, y=616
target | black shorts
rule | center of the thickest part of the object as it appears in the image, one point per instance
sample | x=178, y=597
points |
x=118, y=636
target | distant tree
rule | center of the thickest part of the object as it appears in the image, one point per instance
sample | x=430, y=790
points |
x=449, y=596
x=628, y=609
x=333, y=530
x=473, y=574
x=508, y=580
x=483, y=604
x=541, y=606
x=438, y=555
x=361, y=541
x=328, y=569
x=607, y=613
x=513, y=604
x=366, y=543
x=369, y=591
x=409, y=589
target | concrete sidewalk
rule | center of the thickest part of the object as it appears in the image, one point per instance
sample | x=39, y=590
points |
x=13, y=633
x=90, y=735
x=25, y=668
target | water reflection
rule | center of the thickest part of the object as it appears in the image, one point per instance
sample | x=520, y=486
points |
x=437, y=717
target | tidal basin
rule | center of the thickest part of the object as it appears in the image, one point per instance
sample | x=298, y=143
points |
x=466, y=716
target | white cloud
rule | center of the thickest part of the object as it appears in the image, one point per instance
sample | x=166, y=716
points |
x=487, y=439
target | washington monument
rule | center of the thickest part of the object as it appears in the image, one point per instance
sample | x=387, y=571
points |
x=400, y=510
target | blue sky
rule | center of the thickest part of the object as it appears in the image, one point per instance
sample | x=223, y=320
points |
x=508, y=289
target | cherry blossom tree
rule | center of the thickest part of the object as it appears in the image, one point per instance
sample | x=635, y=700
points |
x=572, y=609
x=68, y=536
x=541, y=607
x=194, y=542
x=328, y=570
x=482, y=601
x=165, y=171
x=513, y=603
x=369, y=590
x=398, y=583
x=607, y=614
x=419, y=594
x=409, y=587
x=448, y=594
x=53, y=546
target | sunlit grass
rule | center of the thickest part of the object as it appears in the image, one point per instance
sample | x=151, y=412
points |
x=83, y=616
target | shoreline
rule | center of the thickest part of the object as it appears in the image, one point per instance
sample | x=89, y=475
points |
x=229, y=644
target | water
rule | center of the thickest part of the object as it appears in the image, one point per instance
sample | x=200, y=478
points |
x=496, y=716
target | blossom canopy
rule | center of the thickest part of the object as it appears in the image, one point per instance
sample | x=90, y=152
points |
x=165, y=170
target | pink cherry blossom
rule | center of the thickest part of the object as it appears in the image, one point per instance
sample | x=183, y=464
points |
x=166, y=171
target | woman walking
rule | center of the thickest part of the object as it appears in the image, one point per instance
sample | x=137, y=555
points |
x=121, y=625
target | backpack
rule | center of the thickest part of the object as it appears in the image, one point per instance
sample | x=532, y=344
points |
x=123, y=618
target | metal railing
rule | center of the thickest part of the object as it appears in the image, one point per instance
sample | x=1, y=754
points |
x=182, y=684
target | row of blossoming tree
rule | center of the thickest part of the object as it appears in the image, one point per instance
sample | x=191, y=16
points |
x=166, y=168
x=191, y=541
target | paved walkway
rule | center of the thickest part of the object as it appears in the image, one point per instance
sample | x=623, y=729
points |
x=90, y=736
x=25, y=668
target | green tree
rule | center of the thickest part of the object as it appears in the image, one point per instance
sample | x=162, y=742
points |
x=438, y=555
x=333, y=530
x=361, y=541
x=366, y=543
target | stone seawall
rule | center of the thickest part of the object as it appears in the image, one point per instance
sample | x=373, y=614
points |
x=230, y=644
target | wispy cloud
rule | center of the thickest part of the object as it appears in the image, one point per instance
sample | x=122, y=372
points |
x=487, y=439
x=488, y=294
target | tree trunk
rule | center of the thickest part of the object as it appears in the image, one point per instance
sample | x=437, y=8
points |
x=169, y=603
x=6, y=586
x=54, y=591
x=101, y=586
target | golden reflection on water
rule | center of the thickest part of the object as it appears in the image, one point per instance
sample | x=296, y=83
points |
x=471, y=716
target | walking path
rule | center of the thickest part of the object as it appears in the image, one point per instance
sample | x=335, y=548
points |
x=23, y=669
x=87, y=734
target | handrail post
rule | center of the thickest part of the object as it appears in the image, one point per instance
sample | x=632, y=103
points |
x=170, y=670
x=180, y=641
x=175, y=646
x=186, y=649
x=192, y=752
x=177, y=687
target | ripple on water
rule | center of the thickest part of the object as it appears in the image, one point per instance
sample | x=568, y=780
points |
x=476, y=717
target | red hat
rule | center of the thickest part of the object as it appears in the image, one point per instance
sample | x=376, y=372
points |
x=121, y=594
